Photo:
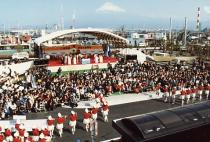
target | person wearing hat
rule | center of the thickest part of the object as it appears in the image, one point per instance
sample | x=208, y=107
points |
x=16, y=137
x=207, y=89
x=182, y=96
x=50, y=125
x=194, y=92
x=94, y=113
x=46, y=134
x=73, y=121
x=200, y=91
x=105, y=111
x=165, y=93
x=8, y=135
x=1, y=137
x=174, y=95
x=86, y=119
x=59, y=126
x=21, y=132
x=35, y=132
x=42, y=138
x=188, y=94
x=17, y=125
x=27, y=137
x=98, y=102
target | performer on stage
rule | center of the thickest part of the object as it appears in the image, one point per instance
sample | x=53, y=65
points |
x=86, y=119
x=59, y=126
x=8, y=135
x=105, y=111
x=174, y=95
x=94, y=112
x=50, y=123
x=35, y=132
x=73, y=121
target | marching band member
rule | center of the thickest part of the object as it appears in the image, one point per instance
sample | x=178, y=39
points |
x=86, y=119
x=200, y=91
x=17, y=125
x=21, y=132
x=35, y=132
x=16, y=137
x=188, y=94
x=42, y=138
x=46, y=133
x=50, y=125
x=94, y=112
x=73, y=121
x=8, y=135
x=194, y=92
x=174, y=95
x=165, y=93
x=207, y=91
x=98, y=103
x=27, y=137
x=105, y=111
x=158, y=89
x=59, y=126
x=1, y=137
x=182, y=96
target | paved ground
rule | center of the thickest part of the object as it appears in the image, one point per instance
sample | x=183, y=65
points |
x=105, y=129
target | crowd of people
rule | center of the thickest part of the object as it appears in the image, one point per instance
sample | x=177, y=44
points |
x=38, y=90
x=19, y=133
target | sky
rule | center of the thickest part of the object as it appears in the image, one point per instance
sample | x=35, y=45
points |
x=103, y=13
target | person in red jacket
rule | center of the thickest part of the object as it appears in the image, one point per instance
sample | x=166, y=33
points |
x=207, y=89
x=86, y=119
x=17, y=125
x=46, y=134
x=73, y=121
x=35, y=132
x=16, y=137
x=194, y=92
x=182, y=97
x=94, y=113
x=50, y=125
x=41, y=138
x=174, y=95
x=165, y=93
x=27, y=137
x=200, y=91
x=60, y=120
x=21, y=132
x=1, y=137
x=188, y=94
x=157, y=88
x=8, y=135
x=105, y=111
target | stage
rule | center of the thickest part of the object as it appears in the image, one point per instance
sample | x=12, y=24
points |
x=55, y=64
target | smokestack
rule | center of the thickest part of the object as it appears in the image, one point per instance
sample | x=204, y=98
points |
x=198, y=20
x=185, y=32
x=170, y=29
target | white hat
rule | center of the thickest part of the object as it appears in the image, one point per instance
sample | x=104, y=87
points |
x=18, y=121
x=43, y=128
x=16, y=134
x=33, y=127
x=50, y=117
x=72, y=112
x=105, y=103
x=86, y=110
x=21, y=126
x=59, y=114
x=26, y=134
x=41, y=136
x=1, y=90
